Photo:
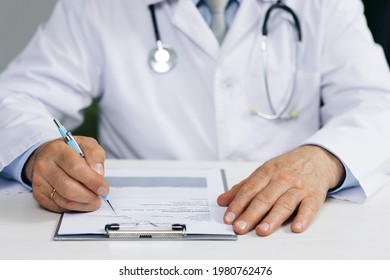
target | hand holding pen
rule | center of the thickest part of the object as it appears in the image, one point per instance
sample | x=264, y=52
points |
x=69, y=139
x=62, y=180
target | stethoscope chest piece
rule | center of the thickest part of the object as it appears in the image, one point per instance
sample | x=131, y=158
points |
x=162, y=58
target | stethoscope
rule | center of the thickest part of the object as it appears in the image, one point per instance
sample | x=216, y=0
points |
x=162, y=59
x=281, y=113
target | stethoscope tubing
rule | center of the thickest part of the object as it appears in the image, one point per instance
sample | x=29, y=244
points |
x=162, y=58
x=167, y=64
x=156, y=30
x=280, y=5
x=279, y=114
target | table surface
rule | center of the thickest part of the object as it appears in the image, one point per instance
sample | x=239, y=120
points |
x=341, y=230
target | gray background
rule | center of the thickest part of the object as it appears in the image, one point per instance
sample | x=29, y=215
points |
x=19, y=19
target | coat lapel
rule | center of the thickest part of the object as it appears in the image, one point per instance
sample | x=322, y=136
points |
x=190, y=22
x=248, y=17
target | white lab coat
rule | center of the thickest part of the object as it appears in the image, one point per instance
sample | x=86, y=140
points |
x=201, y=109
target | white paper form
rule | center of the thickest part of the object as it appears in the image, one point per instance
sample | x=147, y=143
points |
x=161, y=196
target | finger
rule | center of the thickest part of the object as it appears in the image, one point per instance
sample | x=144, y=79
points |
x=55, y=166
x=306, y=213
x=65, y=203
x=52, y=198
x=244, y=196
x=42, y=194
x=227, y=197
x=76, y=167
x=283, y=208
x=259, y=206
x=94, y=153
x=69, y=188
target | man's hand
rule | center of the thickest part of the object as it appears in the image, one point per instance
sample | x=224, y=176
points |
x=298, y=180
x=62, y=180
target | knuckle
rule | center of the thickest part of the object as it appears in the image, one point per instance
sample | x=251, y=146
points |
x=38, y=196
x=52, y=147
x=264, y=198
x=95, y=182
x=235, y=186
x=76, y=166
x=40, y=166
x=67, y=191
x=91, y=139
x=249, y=190
x=267, y=169
x=285, y=177
x=37, y=182
x=286, y=204
x=98, y=153
x=312, y=207
x=245, y=194
x=299, y=184
x=102, y=151
x=312, y=193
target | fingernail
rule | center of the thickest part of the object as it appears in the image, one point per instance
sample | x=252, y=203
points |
x=241, y=225
x=101, y=191
x=264, y=227
x=98, y=167
x=230, y=217
x=298, y=225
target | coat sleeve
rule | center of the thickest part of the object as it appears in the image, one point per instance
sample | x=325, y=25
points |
x=56, y=75
x=355, y=93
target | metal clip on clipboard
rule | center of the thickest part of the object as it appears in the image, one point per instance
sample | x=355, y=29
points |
x=144, y=230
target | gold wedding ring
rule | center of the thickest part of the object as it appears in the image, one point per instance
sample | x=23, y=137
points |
x=52, y=193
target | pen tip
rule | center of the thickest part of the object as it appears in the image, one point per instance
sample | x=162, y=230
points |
x=58, y=124
x=108, y=202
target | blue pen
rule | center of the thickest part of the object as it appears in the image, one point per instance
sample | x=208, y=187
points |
x=69, y=139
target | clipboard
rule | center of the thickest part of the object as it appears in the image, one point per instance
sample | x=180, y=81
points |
x=117, y=232
x=110, y=228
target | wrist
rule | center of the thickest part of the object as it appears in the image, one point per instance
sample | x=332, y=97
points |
x=28, y=168
x=27, y=171
x=333, y=166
